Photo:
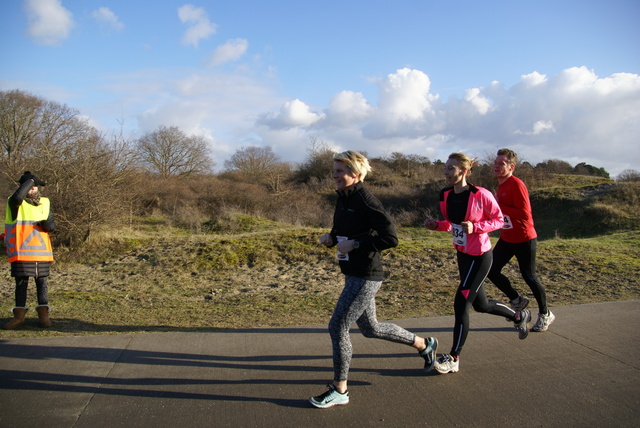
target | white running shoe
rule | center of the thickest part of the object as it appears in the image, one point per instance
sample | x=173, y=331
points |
x=447, y=364
x=544, y=321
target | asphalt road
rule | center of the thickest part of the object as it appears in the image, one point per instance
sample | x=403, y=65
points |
x=585, y=371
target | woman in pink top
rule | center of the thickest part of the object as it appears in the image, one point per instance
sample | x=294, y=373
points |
x=470, y=213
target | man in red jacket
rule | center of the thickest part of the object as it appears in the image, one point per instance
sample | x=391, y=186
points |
x=518, y=238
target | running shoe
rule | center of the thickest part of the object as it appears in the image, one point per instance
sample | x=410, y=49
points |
x=544, y=321
x=330, y=398
x=519, y=303
x=522, y=326
x=447, y=364
x=429, y=353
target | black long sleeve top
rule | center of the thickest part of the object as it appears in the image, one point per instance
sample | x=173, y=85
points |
x=359, y=215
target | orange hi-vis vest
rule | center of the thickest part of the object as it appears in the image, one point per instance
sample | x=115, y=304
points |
x=24, y=239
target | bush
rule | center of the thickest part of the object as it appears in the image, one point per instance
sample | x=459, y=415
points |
x=629, y=175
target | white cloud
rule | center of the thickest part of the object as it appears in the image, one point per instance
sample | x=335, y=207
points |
x=405, y=107
x=481, y=103
x=348, y=107
x=575, y=80
x=533, y=79
x=290, y=144
x=220, y=106
x=199, y=25
x=49, y=23
x=543, y=126
x=574, y=115
x=539, y=127
x=230, y=51
x=404, y=96
x=292, y=114
x=107, y=18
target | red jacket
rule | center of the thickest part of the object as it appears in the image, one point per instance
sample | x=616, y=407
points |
x=483, y=211
x=513, y=198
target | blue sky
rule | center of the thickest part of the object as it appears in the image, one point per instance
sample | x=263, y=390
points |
x=551, y=79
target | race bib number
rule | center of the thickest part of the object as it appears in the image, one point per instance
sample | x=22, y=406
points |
x=507, y=223
x=459, y=237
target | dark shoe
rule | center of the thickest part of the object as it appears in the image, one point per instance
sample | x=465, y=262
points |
x=429, y=353
x=522, y=325
x=519, y=303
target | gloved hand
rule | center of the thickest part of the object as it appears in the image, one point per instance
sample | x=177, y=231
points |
x=29, y=176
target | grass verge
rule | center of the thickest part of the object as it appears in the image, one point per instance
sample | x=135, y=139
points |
x=167, y=281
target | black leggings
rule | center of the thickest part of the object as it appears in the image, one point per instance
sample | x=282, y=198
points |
x=42, y=290
x=525, y=253
x=473, y=271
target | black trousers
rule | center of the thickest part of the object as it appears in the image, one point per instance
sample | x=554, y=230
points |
x=525, y=254
x=473, y=271
x=42, y=290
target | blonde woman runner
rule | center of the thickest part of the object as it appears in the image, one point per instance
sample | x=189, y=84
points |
x=361, y=230
x=470, y=213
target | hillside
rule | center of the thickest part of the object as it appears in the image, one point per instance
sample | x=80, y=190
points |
x=578, y=210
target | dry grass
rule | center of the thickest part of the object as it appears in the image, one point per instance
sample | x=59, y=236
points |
x=168, y=280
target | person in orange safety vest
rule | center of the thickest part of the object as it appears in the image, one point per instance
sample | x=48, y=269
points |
x=28, y=221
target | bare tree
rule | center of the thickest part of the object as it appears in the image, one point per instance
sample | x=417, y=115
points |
x=252, y=161
x=168, y=151
x=629, y=175
x=259, y=165
x=21, y=116
x=317, y=167
x=86, y=176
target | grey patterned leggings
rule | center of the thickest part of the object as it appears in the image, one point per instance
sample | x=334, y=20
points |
x=357, y=304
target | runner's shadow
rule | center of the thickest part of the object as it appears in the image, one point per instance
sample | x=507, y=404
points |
x=145, y=387
x=70, y=325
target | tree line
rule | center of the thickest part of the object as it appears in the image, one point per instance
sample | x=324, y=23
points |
x=95, y=180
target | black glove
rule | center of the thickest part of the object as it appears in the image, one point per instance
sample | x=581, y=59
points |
x=46, y=225
x=28, y=176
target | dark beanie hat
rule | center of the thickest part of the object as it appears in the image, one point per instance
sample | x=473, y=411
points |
x=29, y=176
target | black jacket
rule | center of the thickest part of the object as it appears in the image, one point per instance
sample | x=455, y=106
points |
x=360, y=216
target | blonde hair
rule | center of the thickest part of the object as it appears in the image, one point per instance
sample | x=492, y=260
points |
x=464, y=161
x=355, y=162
